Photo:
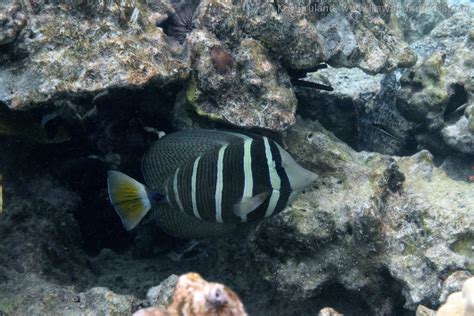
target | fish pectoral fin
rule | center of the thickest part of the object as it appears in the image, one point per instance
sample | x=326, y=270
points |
x=249, y=204
x=129, y=198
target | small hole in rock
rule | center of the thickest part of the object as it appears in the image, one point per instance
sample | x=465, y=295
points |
x=458, y=97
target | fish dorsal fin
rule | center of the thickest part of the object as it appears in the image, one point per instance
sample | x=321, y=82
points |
x=173, y=150
x=249, y=204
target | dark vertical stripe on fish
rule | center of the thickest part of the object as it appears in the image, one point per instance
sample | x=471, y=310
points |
x=274, y=179
x=205, y=193
x=261, y=179
x=233, y=181
x=285, y=190
x=184, y=188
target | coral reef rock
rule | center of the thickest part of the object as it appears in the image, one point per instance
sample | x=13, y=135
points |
x=361, y=111
x=453, y=283
x=78, y=48
x=424, y=311
x=373, y=223
x=162, y=294
x=438, y=92
x=328, y=311
x=244, y=88
x=49, y=251
x=321, y=31
x=239, y=66
x=416, y=18
x=460, y=303
x=12, y=21
x=193, y=296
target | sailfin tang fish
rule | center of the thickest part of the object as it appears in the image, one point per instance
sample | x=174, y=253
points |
x=202, y=183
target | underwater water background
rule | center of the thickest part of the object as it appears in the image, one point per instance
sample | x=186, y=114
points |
x=343, y=172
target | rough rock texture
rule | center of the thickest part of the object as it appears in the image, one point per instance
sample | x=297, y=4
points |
x=326, y=31
x=162, y=294
x=68, y=50
x=361, y=110
x=195, y=296
x=12, y=21
x=416, y=18
x=40, y=241
x=81, y=49
x=367, y=227
x=223, y=94
x=431, y=110
x=438, y=92
x=459, y=303
x=424, y=311
x=453, y=283
x=258, y=40
x=458, y=167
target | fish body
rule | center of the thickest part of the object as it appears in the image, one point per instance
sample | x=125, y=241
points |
x=201, y=183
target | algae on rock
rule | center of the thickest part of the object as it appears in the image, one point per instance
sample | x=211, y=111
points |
x=264, y=39
x=353, y=226
x=253, y=92
x=438, y=92
x=66, y=51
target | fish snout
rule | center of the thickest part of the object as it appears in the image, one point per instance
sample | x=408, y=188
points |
x=300, y=178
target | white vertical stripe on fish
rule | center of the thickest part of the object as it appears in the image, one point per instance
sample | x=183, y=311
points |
x=274, y=179
x=193, y=188
x=220, y=183
x=167, y=193
x=272, y=203
x=248, y=176
x=175, y=190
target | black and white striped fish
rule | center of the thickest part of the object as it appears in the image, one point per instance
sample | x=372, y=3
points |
x=201, y=183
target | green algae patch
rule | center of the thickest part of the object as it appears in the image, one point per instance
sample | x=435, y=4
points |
x=193, y=95
x=192, y=92
x=8, y=307
x=465, y=247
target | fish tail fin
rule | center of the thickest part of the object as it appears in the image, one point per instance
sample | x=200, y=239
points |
x=129, y=198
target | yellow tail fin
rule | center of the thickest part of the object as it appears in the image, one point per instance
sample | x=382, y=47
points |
x=129, y=198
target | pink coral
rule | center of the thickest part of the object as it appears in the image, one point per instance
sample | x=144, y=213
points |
x=194, y=296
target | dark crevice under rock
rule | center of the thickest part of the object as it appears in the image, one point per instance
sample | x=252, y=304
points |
x=366, y=123
x=456, y=103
